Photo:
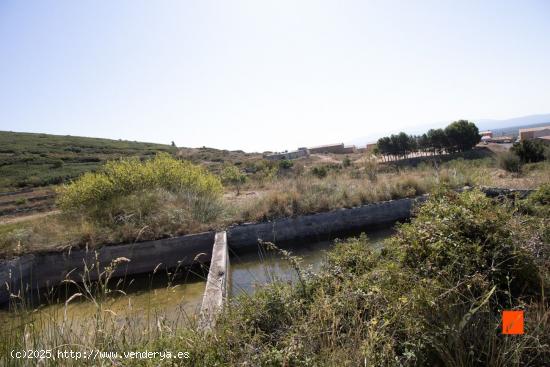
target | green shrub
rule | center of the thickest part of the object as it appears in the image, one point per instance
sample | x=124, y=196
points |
x=510, y=162
x=118, y=179
x=320, y=171
x=529, y=151
x=458, y=235
x=346, y=162
x=58, y=164
x=21, y=201
x=538, y=203
x=265, y=171
x=233, y=176
x=541, y=196
x=432, y=297
x=286, y=164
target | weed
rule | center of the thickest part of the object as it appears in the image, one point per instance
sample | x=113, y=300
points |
x=510, y=162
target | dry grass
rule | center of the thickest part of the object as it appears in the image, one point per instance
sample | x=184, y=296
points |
x=357, y=185
x=268, y=193
x=146, y=216
x=111, y=330
x=411, y=304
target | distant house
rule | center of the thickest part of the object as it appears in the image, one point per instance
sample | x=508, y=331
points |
x=349, y=149
x=545, y=139
x=367, y=148
x=330, y=148
x=301, y=152
x=533, y=133
x=371, y=146
x=487, y=133
x=499, y=139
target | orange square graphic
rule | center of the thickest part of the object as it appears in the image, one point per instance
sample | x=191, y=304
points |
x=512, y=322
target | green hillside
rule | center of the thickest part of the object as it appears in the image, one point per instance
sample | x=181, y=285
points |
x=31, y=160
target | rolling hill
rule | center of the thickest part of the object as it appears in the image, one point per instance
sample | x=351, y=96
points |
x=31, y=160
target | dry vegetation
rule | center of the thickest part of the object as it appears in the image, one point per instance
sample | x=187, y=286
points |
x=269, y=190
x=432, y=296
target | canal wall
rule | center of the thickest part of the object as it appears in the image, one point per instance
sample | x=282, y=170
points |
x=320, y=226
x=41, y=270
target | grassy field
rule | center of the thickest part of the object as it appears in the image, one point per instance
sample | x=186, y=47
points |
x=31, y=160
x=34, y=160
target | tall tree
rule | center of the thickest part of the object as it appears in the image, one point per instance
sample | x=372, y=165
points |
x=438, y=140
x=462, y=135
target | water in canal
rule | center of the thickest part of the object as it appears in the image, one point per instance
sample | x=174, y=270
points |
x=178, y=298
x=255, y=269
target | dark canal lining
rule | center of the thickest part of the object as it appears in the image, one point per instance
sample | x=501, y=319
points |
x=179, y=296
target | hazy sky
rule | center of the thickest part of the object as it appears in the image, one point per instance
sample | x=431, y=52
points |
x=259, y=75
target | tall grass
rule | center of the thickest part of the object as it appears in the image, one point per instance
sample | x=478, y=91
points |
x=433, y=296
x=162, y=210
x=310, y=194
x=52, y=325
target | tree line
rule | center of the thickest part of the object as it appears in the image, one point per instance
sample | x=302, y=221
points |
x=458, y=136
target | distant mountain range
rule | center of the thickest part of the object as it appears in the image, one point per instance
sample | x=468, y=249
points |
x=514, y=122
x=502, y=127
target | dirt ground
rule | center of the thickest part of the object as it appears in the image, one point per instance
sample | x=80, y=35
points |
x=27, y=201
x=24, y=217
x=497, y=148
x=244, y=195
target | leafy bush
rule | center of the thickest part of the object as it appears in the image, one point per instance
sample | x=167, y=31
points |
x=21, y=201
x=510, y=162
x=320, y=171
x=264, y=171
x=233, y=176
x=541, y=196
x=58, y=164
x=432, y=297
x=538, y=203
x=529, y=151
x=458, y=235
x=286, y=164
x=118, y=179
x=346, y=162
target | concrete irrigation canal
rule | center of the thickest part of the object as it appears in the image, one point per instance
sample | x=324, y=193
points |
x=305, y=235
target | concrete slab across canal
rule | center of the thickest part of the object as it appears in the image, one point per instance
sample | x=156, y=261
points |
x=215, y=293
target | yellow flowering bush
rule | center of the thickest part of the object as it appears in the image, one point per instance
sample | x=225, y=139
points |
x=125, y=177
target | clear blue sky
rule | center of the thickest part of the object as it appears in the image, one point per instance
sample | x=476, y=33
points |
x=259, y=75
